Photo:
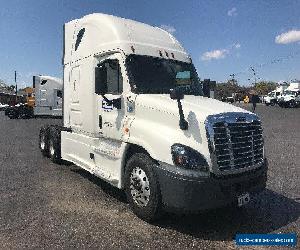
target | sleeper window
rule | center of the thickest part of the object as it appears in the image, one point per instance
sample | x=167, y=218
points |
x=79, y=38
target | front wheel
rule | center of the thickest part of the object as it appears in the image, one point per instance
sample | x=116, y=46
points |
x=142, y=188
x=292, y=104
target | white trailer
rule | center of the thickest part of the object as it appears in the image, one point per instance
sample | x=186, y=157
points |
x=48, y=96
x=135, y=115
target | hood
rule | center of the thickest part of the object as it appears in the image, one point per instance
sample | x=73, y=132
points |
x=202, y=106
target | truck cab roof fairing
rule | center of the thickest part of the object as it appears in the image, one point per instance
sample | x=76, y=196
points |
x=105, y=32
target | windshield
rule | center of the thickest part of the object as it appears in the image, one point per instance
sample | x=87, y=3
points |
x=289, y=92
x=152, y=75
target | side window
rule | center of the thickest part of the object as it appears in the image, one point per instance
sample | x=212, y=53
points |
x=79, y=38
x=59, y=93
x=113, y=77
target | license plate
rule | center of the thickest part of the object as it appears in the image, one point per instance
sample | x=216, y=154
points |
x=243, y=199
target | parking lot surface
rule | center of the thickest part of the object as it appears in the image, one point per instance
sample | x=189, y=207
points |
x=43, y=205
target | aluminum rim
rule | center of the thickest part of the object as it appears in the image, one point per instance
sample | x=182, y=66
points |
x=51, y=148
x=43, y=142
x=139, y=187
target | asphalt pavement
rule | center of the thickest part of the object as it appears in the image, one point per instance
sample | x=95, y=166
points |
x=44, y=205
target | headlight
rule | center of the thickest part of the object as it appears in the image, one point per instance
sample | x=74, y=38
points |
x=186, y=157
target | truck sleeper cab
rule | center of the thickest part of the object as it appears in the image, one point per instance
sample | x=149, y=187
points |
x=48, y=96
x=135, y=115
x=291, y=96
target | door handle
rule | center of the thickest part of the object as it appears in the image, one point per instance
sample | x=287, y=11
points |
x=100, y=121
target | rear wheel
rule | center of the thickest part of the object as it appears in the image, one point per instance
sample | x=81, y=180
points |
x=55, y=145
x=142, y=188
x=43, y=141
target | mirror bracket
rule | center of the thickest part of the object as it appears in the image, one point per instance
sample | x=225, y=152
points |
x=177, y=94
x=183, y=124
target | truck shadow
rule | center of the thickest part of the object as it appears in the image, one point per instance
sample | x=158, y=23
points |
x=268, y=212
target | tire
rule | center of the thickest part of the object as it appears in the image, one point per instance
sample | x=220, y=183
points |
x=44, y=141
x=272, y=103
x=139, y=175
x=55, y=144
x=292, y=104
x=12, y=116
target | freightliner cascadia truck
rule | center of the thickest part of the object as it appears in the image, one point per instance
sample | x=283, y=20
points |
x=134, y=115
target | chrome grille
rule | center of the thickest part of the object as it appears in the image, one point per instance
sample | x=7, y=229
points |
x=236, y=140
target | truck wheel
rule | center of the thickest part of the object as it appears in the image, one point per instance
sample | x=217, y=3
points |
x=141, y=187
x=54, y=145
x=292, y=104
x=44, y=142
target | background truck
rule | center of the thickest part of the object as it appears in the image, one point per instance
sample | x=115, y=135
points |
x=48, y=96
x=273, y=97
x=24, y=108
x=45, y=100
x=135, y=116
x=291, y=96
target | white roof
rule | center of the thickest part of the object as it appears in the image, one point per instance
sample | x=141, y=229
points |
x=294, y=86
x=106, y=32
x=51, y=78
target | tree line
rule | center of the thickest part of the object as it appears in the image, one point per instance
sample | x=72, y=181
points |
x=232, y=89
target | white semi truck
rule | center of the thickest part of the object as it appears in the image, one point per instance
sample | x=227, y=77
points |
x=291, y=96
x=135, y=116
x=273, y=97
x=45, y=101
x=48, y=96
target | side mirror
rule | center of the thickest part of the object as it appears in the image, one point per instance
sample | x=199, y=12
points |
x=101, y=80
x=176, y=94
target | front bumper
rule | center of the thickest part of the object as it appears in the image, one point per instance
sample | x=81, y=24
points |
x=183, y=192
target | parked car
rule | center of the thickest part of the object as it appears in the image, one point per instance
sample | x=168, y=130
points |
x=3, y=106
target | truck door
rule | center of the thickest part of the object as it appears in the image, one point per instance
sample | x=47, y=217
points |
x=111, y=118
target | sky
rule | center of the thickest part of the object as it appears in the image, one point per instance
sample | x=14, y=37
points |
x=222, y=37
